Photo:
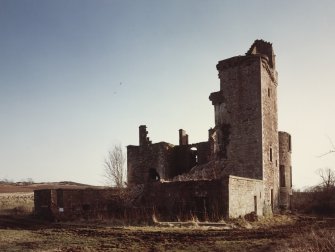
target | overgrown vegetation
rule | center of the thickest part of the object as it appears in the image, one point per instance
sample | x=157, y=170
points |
x=317, y=240
x=319, y=199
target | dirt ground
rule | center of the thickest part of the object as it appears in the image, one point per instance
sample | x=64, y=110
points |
x=282, y=233
x=20, y=231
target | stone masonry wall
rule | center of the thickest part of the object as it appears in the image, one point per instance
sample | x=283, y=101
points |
x=143, y=159
x=240, y=86
x=182, y=200
x=70, y=204
x=204, y=152
x=245, y=196
x=269, y=138
x=285, y=162
x=151, y=162
x=171, y=201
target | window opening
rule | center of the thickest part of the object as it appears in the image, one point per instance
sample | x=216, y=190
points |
x=282, y=175
x=255, y=204
x=194, y=151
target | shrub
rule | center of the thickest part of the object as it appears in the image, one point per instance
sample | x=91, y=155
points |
x=316, y=200
x=316, y=240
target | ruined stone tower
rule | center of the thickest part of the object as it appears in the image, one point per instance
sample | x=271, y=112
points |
x=244, y=150
x=246, y=130
x=285, y=170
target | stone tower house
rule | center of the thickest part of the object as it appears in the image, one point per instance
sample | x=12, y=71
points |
x=246, y=121
x=244, y=147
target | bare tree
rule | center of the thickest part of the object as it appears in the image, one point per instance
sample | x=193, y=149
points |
x=115, y=171
x=327, y=176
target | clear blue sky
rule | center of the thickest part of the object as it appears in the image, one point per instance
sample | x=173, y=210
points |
x=78, y=76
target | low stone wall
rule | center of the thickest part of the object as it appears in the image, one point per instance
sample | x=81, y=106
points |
x=172, y=201
x=68, y=204
x=245, y=196
x=168, y=201
x=184, y=200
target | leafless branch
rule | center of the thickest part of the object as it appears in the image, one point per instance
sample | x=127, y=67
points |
x=115, y=167
x=327, y=153
x=332, y=149
x=331, y=142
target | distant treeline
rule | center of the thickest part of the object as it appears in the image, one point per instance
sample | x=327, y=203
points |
x=28, y=181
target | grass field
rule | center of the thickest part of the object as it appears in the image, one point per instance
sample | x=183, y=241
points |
x=282, y=233
x=20, y=231
x=16, y=203
x=99, y=238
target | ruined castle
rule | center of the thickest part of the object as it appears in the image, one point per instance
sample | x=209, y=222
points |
x=244, y=144
x=243, y=167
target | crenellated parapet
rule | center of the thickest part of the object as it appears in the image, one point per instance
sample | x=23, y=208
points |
x=263, y=48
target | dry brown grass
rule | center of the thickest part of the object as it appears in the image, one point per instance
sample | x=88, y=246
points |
x=103, y=238
x=16, y=203
x=281, y=233
x=316, y=240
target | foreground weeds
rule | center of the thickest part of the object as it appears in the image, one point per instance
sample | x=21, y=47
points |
x=82, y=238
x=316, y=240
x=281, y=233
